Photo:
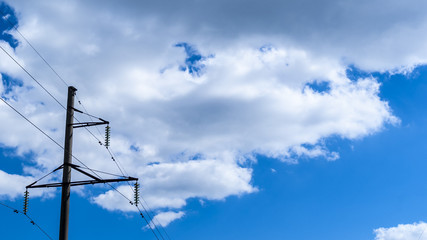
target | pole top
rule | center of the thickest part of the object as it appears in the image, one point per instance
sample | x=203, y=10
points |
x=71, y=88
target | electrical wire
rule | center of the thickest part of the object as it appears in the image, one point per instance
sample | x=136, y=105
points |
x=421, y=233
x=93, y=171
x=34, y=125
x=124, y=172
x=31, y=220
x=113, y=157
x=47, y=135
x=47, y=63
x=90, y=116
x=44, y=133
x=56, y=169
x=31, y=76
x=38, y=82
x=152, y=218
x=145, y=209
x=139, y=210
x=115, y=175
x=35, y=50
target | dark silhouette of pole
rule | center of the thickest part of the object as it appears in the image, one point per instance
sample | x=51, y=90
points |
x=66, y=173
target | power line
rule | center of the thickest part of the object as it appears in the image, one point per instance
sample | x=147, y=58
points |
x=44, y=133
x=31, y=220
x=152, y=218
x=90, y=116
x=35, y=50
x=44, y=60
x=93, y=171
x=31, y=76
x=124, y=172
x=47, y=63
x=145, y=209
x=421, y=234
x=34, y=125
x=47, y=135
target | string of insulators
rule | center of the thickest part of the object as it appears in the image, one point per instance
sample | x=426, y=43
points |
x=136, y=195
x=26, y=201
x=107, y=136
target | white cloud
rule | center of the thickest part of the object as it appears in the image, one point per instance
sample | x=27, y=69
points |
x=165, y=218
x=169, y=185
x=415, y=231
x=12, y=186
x=195, y=134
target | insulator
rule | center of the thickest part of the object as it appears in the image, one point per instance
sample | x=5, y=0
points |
x=136, y=195
x=107, y=136
x=26, y=201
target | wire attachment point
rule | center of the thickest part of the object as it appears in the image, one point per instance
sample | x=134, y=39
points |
x=136, y=191
x=26, y=201
x=107, y=136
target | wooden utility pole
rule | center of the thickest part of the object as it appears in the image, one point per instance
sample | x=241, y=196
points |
x=66, y=171
x=67, y=166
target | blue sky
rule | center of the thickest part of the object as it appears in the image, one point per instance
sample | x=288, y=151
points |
x=246, y=122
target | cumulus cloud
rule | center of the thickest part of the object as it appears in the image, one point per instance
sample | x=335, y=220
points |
x=186, y=120
x=356, y=32
x=169, y=185
x=165, y=218
x=12, y=186
x=415, y=231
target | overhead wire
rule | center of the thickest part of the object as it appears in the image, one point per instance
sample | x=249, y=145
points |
x=147, y=213
x=31, y=220
x=124, y=172
x=32, y=77
x=34, y=125
x=47, y=91
x=121, y=169
x=152, y=218
x=74, y=157
x=47, y=63
x=43, y=177
x=422, y=233
x=28, y=42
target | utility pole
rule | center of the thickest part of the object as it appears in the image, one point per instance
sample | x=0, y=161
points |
x=66, y=171
x=67, y=166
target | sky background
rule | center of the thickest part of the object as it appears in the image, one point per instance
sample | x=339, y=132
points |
x=242, y=119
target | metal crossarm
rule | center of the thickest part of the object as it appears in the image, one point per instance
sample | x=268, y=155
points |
x=79, y=183
x=86, y=182
x=88, y=124
x=73, y=166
